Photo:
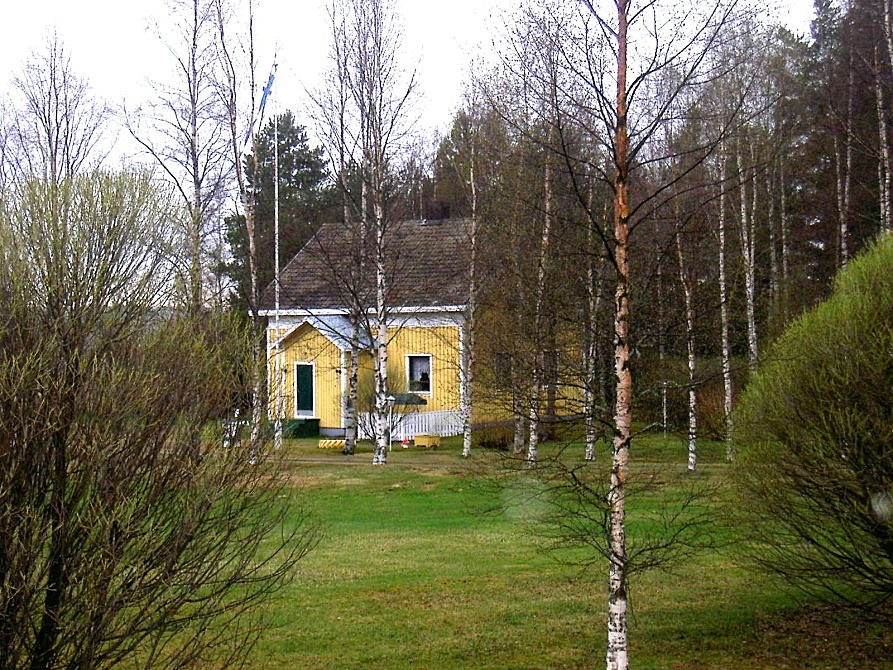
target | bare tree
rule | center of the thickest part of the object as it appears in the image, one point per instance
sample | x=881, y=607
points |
x=185, y=133
x=690, y=345
x=332, y=111
x=56, y=130
x=364, y=119
x=885, y=172
x=723, y=288
x=228, y=86
x=461, y=154
x=631, y=63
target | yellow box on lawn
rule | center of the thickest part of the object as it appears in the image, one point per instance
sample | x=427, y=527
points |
x=425, y=440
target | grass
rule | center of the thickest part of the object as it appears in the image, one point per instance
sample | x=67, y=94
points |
x=410, y=573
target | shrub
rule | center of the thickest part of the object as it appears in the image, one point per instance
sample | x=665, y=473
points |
x=815, y=475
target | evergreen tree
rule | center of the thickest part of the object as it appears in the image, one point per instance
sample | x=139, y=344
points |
x=306, y=199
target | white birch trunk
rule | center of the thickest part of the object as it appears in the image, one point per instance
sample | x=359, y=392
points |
x=259, y=407
x=887, y=223
x=465, y=387
x=888, y=29
x=465, y=380
x=748, y=254
x=617, y=656
x=520, y=427
x=690, y=345
x=726, y=345
x=537, y=382
x=594, y=273
x=773, y=251
x=844, y=170
x=589, y=402
x=350, y=406
x=883, y=151
x=785, y=250
x=468, y=328
x=752, y=339
x=382, y=417
x=661, y=340
x=533, y=417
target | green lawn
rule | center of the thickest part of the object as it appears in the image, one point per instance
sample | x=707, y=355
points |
x=417, y=570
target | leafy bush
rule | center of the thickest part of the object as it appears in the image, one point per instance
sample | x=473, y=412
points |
x=129, y=536
x=815, y=476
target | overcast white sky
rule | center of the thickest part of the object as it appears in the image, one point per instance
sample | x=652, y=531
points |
x=113, y=44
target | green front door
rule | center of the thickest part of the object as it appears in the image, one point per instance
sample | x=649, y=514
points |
x=303, y=389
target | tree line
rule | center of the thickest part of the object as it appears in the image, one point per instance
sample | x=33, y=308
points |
x=654, y=193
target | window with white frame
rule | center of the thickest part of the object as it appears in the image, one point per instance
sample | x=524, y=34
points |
x=418, y=373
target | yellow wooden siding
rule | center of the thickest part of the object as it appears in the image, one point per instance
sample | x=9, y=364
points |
x=442, y=344
x=491, y=402
x=492, y=398
x=486, y=410
x=308, y=345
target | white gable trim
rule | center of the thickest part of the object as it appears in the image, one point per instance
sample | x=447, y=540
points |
x=342, y=343
x=340, y=311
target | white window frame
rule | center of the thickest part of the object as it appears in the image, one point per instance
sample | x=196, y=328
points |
x=409, y=388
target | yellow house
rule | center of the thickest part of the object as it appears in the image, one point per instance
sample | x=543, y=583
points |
x=323, y=315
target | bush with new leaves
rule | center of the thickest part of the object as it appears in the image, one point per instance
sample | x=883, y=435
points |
x=815, y=472
x=129, y=534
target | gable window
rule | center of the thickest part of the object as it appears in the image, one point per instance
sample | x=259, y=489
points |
x=418, y=372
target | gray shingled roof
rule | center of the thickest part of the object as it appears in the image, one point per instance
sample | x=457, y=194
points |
x=427, y=266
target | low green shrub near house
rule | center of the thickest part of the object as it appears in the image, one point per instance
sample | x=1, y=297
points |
x=293, y=429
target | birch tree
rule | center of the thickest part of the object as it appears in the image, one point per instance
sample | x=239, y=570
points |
x=185, y=131
x=526, y=95
x=884, y=170
x=747, y=235
x=641, y=42
x=229, y=87
x=830, y=35
x=594, y=396
x=843, y=163
x=691, y=358
x=334, y=116
x=365, y=117
x=461, y=154
x=723, y=288
x=380, y=98
x=468, y=326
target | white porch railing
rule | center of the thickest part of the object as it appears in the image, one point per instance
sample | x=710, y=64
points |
x=448, y=422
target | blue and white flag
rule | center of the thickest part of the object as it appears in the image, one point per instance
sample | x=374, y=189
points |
x=258, y=119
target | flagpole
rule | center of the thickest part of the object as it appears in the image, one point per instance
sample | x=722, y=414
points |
x=280, y=376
